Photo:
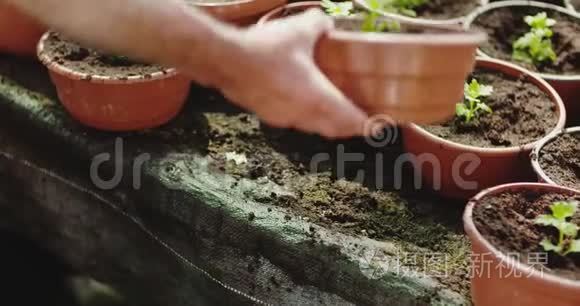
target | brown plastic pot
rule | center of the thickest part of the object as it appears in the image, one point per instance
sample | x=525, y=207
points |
x=493, y=285
x=536, y=153
x=111, y=104
x=489, y=166
x=19, y=33
x=404, y=75
x=567, y=86
x=453, y=21
x=242, y=12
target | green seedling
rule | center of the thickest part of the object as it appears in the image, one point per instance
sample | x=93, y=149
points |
x=403, y=7
x=371, y=21
x=567, y=242
x=535, y=47
x=338, y=9
x=473, y=105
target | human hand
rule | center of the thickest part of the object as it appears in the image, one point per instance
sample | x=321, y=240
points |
x=270, y=70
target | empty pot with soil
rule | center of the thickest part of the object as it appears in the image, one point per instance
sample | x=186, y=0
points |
x=525, y=245
x=111, y=92
x=392, y=67
x=19, y=33
x=547, y=44
x=241, y=12
x=428, y=11
x=556, y=159
x=505, y=112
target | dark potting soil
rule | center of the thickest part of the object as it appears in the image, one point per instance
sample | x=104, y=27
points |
x=92, y=62
x=507, y=222
x=522, y=114
x=560, y=160
x=505, y=25
x=447, y=9
x=343, y=205
x=556, y=2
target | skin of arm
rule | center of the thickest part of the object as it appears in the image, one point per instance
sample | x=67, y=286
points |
x=266, y=69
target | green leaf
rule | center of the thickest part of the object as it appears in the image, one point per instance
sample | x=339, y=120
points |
x=485, y=108
x=461, y=109
x=549, y=246
x=574, y=247
x=568, y=229
x=547, y=220
x=563, y=210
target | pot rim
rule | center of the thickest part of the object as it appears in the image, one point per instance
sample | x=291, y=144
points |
x=535, y=154
x=474, y=234
x=513, y=3
x=95, y=78
x=451, y=21
x=532, y=78
x=461, y=36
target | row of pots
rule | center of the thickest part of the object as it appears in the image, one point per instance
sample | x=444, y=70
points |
x=499, y=168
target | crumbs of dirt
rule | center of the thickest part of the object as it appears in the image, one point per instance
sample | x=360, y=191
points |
x=505, y=25
x=507, y=222
x=344, y=205
x=522, y=114
x=447, y=9
x=91, y=62
x=560, y=160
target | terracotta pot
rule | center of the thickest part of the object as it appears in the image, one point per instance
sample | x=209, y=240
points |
x=452, y=21
x=491, y=166
x=111, y=104
x=19, y=33
x=242, y=12
x=535, y=155
x=406, y=76
x=524, y=285
x=567, y=86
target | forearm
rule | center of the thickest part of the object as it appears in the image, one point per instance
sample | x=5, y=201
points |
x=167, y=32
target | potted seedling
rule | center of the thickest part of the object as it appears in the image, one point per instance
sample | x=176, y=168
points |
x=525, y=245
x=556, y=159
x=425, y=11
x=242, y=12
x=390, y=66
x=111, y=92
x=543, y=38
x=19, y=33
x=505, y=111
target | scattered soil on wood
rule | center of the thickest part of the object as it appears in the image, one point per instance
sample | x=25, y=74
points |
x=507, y=222
x=560, y=160
x=91, y=62
x=355, y=198
x=505, y=25
x=522, y=114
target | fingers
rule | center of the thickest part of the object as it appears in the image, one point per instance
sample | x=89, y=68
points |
x=337, y=115
x=310, y=25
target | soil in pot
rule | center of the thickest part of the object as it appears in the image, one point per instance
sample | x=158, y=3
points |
x=446, y=9
x=506, y=220
x=344, y=205
x=92, y=62
x=556, y=2
x=505, y=25
x=521, y=113
x=560, y=160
